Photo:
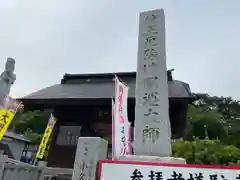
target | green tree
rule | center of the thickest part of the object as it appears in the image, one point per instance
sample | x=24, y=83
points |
x=234, y=138
x=226, y=106
x=33, y=121
x=196, y=113
x=206, y=127
x=202, y=122
x=224, y=110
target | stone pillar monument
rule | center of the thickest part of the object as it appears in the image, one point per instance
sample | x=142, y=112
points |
x=7, y=78
x=152, y=124
x=152, y=133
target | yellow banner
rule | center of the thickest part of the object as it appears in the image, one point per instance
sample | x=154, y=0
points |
x=6, y=118
x=46, y=136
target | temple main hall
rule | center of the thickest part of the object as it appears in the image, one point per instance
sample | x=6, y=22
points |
x=82, y=105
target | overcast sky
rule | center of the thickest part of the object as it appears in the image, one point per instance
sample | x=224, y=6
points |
x=51, y=37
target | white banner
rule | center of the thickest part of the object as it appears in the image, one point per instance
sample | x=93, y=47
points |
x=119, y=170
x=120, y=124
x=129, y=139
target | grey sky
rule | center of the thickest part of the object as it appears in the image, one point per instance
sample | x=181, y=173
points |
x=51, y=37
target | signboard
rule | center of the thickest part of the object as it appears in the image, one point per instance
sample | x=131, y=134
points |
x=68, y=135
x=119, y=170
x=7, y=113
x=152, y=125
x=120, y=119
x=46, y=136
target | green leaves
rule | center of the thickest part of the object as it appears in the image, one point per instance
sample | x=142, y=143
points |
x=220, y=117
x=206, y=152
x=32, y=124
x=227, y=108
x=201, y=120
x=34, y=137
x=34, y=121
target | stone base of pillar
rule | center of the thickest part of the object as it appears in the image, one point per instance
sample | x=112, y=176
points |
x=159, y=159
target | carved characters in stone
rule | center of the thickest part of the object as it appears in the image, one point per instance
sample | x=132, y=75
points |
x=151, y=98
x=153, y=29
x=150, y=54
x=151, y=40
x=68, y=135
x=151, y=112
x=90, y=167
x=150, y=134
x=149, y=65
x=7, y=79
x=151, y=17
x=152, y=94
x=82, y=168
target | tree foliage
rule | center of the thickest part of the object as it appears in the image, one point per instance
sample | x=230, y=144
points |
x=227, y=107
x=207, y=152
x=34, y=121
x=32, y=124
x=201, y=120
x=219, y=115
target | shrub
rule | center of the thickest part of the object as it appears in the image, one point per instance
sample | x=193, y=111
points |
x=207, y=152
